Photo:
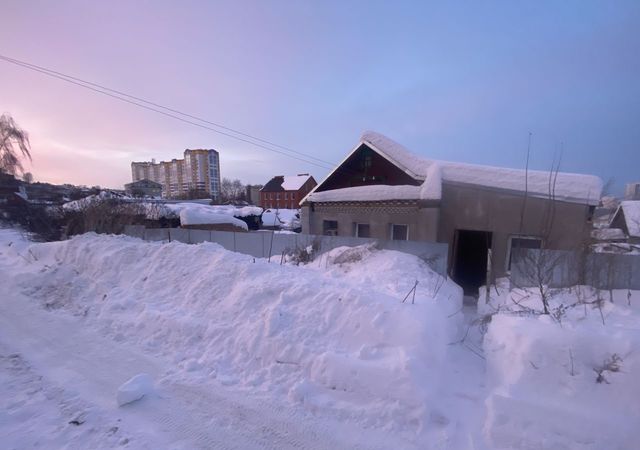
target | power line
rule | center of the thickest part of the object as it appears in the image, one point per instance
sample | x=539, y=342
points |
x=142, y=103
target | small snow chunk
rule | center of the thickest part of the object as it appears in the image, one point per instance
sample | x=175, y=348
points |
x=134, y=389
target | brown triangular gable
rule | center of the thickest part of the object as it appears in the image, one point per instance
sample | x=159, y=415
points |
x=365, y=167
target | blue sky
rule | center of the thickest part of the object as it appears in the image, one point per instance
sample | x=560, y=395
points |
x=460, y=81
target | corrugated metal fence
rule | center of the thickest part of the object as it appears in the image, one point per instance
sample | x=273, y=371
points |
x=558, y=268
x=268, y=244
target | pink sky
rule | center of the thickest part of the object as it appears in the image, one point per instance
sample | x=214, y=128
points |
x=462, y=83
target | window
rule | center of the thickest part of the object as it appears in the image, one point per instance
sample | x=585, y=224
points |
x=367, y=159
x=521, y=242
x=330, y=227
x=286, y=196
x=278, y=196
x=363, y=230
x=399, y=232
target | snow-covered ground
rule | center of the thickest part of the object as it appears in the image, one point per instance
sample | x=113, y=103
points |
x=242, y=353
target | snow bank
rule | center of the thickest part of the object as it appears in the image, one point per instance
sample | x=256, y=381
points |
x=332, y=336
x=548, y=383
x=134, y=389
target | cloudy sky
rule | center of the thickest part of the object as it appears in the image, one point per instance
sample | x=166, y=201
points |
x=460, y=81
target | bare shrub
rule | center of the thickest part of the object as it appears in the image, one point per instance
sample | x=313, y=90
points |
x=611, y=364
x=107, y=215
x=43, y=223
x=303, y=255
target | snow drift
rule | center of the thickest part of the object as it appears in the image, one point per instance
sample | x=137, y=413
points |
x=568, y=381
x=334, y=336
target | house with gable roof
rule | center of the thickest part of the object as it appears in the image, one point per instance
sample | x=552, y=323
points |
x=285, y=192
x=627, y=219
x=381, y=190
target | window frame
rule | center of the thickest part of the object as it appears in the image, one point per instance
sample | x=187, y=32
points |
x=391, y=227
x=357, y=229
x=325, y=229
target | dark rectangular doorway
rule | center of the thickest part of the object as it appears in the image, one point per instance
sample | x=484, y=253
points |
x=471, y=250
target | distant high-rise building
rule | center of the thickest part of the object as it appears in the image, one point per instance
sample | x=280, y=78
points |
x=198, y=174
x=632, y=191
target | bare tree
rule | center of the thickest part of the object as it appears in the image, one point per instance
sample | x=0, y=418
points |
x=538, y=266
x=14, y=145
x=232, y=190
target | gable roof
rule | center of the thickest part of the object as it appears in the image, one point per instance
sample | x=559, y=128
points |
x=568, y=187
x=630, y=210
x=286, y=182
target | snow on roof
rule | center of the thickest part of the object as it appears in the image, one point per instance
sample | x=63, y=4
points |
x=194, y=215
x=282, y=218
x=431, y=189
x=294, y=182
x=76, y=205
x=631, y=209
x=367, y=193
x=568, y=186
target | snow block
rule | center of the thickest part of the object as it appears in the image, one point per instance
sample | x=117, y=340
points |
x=134, y=389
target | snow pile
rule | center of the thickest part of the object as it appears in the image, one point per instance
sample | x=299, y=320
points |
x=568, y=186
x=287, y=219
x=607, y=234
x=334, y=337
x=569, y=380
x=134, y=389
x=206, y=216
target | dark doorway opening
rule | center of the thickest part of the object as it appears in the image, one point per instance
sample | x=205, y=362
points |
x=471, y=250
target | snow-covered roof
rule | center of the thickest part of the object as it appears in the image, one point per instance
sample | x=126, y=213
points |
x=631, y=210
x=204, y=216
x=286, y=182
x=564, y=186
x=294, y=182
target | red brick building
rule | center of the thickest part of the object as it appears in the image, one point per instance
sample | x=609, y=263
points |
x=285, y=192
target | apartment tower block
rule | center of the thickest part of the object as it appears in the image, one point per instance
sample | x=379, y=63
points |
x=198, y=174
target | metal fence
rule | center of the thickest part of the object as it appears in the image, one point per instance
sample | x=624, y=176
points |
x=263, y=244
x=560, y=269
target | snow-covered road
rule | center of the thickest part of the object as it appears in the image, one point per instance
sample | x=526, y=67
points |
x=50, y=365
